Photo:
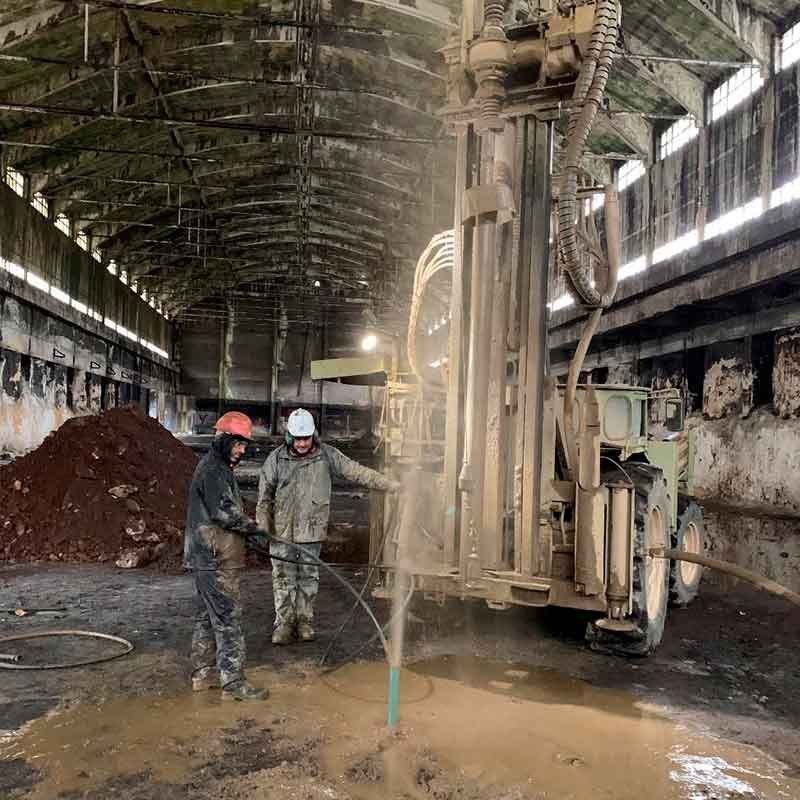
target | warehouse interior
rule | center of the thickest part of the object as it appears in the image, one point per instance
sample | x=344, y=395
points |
x=538, y=261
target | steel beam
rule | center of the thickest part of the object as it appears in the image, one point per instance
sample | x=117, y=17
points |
x=670, y=77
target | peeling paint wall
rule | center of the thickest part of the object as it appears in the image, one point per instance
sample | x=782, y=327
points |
x=52, y=370
x=786, y=375
x=33, y=401
x=728, y=389
x=768, y=546
x=753, y=462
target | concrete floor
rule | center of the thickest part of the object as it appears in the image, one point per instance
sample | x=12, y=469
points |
x=726, y=673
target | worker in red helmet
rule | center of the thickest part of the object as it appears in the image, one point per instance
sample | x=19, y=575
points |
x=214, y=549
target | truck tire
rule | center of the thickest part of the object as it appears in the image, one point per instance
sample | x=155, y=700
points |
x=684, y=578
x=650, y=575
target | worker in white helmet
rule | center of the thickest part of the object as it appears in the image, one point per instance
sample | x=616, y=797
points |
x=294, y=497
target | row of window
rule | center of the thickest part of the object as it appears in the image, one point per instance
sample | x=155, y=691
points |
x=735, y=90
x=788, y=193
x=744, y=83
x=42, y=285
x=16, y=181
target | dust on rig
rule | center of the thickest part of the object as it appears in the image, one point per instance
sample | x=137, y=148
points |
x=399, y=399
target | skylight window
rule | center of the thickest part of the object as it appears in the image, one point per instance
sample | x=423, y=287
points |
x=629, y=173
x=676, y=246
x=789, y=47
x=60, y=295
x=15, y=180
x=37, y=282
x=678, y=135
x=82, y=240
x=741, y=85
x=15, y=269
x=62, y=223
x=41, y=204
x=733, y=219
x=786, y=193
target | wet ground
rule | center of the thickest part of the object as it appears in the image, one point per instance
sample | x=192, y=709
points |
x=495, y=704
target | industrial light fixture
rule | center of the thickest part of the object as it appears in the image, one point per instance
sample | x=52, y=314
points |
x=369, y=342
x=317, y=284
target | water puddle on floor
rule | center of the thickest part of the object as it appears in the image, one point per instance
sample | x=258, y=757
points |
x=470, y=729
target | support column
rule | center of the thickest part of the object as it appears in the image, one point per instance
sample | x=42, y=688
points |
x=496, y=458
x=454, y=430
x=226, y=340
x=768, y=141
x=535, y=253
x=702, y=183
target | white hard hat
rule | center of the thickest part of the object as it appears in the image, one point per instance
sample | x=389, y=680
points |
x=301, y=424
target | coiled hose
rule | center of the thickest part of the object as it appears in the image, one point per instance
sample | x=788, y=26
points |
x=587, y=100
x=438, y=255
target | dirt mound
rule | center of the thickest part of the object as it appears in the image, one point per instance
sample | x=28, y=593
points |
x=101, y=488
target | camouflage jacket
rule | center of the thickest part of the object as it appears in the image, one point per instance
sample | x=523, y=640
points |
x=294, y=492
x=216, y=525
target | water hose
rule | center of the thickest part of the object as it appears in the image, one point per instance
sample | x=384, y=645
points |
x=571, y=391
x=394, y=519
x=587, y=100
x=729, y=569
x=12, y=663
x=342, y=581
x=394, y=669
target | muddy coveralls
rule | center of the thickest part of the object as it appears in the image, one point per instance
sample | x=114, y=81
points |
x=294, y=497
x=214, y=549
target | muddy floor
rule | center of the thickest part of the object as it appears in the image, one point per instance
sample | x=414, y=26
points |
x=494, y=704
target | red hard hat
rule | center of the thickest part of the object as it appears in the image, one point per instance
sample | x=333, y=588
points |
x=236, y=424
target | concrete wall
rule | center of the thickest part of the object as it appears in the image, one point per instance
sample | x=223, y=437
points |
x=33, y=242
x=54, y=364
x=228, y=363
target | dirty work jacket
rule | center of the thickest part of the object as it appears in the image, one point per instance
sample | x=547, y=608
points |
x=216, y=525
x=294, y=492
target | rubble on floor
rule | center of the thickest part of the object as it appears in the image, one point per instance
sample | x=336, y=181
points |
x=110, y=487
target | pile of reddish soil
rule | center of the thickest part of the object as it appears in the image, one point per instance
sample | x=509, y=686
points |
x=99, y=488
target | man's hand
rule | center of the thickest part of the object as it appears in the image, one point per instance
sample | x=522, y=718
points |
x=259, y=539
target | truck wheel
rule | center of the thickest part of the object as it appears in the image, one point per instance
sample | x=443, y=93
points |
x=684, y=578
x=650, y=575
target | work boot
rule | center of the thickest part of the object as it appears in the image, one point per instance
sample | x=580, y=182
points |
x=306, y=632
x=283, y=634
x=204, y=680
x=242, y=690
